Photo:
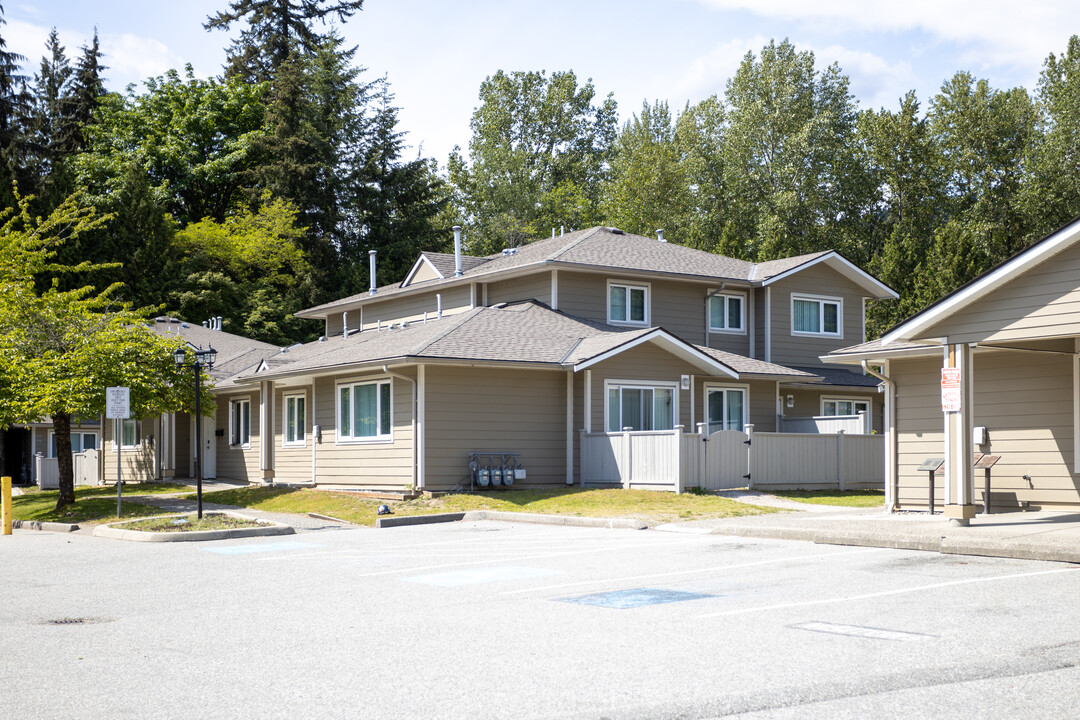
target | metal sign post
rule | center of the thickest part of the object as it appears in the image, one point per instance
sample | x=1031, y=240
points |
x=118, y=407
x=931, y=466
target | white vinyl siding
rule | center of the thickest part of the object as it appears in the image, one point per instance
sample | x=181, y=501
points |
x=817, y=315
x=628, y=304
x=727, y=313
x=364, y=411
x=294, y=421
x=240, y=423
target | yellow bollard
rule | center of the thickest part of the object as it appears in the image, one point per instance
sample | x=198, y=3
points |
x=5, y=503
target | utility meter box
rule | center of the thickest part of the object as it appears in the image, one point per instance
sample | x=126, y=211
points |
x=980, y=436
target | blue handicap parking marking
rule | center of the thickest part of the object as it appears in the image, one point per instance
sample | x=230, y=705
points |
x=476, y=576
x=634, y=598
x=260, y=547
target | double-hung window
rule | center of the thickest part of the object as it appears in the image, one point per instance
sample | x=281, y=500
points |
x=832, y=407
x=726, y=313
x=640, y=407
x=725, y=408
x=294, y=420
x=240, y=423
x=130, y=432
x=628, y=304
x=80, y=441
x=816, y=315
x=364, y=411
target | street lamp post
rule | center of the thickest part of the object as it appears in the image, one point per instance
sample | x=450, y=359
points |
x=203, y=359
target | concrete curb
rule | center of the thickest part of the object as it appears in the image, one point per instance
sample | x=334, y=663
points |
x=984, y=547
x=269, y=527
x=498, y=515
x=39, y=525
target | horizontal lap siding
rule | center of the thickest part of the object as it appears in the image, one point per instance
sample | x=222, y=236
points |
x=498, y=410
x=788, y=349
x=679, y=308
x=531, y=287
x=404, y=309
x=377, y=465
x=292, y=464
x=1045, y=301
x=235, y=463
x=1024, y=400
x=645, y=362
x=583, y=295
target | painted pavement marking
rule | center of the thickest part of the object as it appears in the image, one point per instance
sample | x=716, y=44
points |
x=260, y=548
x=693, y=571
x=861, y=631
x=886, y=593
x=477, y=576
x=634, y=598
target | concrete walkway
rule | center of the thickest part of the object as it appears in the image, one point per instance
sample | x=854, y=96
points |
x=1041, y=535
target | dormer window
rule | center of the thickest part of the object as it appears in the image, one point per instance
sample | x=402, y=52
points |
x=817, y=315
x=628, y=304
x=727, y=313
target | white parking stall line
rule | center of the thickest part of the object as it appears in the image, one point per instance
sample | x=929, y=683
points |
x=885, y=593
x=693, y=571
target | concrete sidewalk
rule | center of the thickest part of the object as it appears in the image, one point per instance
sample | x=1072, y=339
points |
x=1039, y=535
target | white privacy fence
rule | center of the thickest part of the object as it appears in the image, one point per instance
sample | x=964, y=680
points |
x=673, y=460
x=825, y=424
x=47, y=470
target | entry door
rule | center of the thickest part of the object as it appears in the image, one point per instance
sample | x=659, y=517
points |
x=209, y=448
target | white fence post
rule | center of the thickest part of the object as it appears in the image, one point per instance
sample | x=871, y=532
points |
x=840, y=479
x=628, y=471
x=680, y=480
x=749, y=456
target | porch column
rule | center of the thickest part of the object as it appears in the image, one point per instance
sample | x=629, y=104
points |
x=570, y=427
x=959, y=474
x=892, y=466
x=588, y=401
x=266, y=430
x=421, y=424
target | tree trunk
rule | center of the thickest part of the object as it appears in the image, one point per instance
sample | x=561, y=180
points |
x=62, y=431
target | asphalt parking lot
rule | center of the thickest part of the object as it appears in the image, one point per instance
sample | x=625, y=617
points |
x=490, y=619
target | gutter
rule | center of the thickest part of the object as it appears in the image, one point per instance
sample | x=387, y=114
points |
x=892, y=477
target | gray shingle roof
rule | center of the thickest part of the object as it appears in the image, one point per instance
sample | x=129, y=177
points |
x=519, y=333
x=597, y=247
x=869, y=349
x=235, y=353
x=842, y=376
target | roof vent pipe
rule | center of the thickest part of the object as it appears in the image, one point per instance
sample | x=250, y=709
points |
x=220, y=322
x=205, y=323
x=438, y=306
x=562, y=231
x=371, y=269
x=345, y=324
x=457, y=251
x=660, y=235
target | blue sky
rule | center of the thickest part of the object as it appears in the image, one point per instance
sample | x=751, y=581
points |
x=436, y=54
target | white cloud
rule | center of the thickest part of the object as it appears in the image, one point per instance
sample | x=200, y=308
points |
x=709, y=74
x=989, y=33
x=875, y=81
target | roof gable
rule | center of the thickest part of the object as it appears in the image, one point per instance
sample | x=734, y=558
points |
x=1015, y=293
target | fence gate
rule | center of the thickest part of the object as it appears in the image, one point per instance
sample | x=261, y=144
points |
x=726, y=460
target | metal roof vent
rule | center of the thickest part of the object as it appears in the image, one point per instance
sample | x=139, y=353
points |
x=615, y=231
x=510, y=251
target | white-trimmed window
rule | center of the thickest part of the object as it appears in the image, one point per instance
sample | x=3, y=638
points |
x=831, y=407
x=640, y=406
x=364, y=411
x=726, y=408
x=628, y=304
x=727, y=313
x=817, y=315
x=130, y=433
x=80, y=441
x=240, y=423
x=295, y=420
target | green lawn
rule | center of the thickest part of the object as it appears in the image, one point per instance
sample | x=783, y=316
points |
x=848, y=498
x=92, y=505
x=651, y=507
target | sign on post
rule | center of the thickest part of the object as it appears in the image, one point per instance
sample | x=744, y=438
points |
x=118, y=407
x=118, y=403
x=950, y=390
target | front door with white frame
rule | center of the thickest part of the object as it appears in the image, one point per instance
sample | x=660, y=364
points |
x=209, y=448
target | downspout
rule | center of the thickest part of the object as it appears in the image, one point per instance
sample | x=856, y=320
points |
x=416, y=480
x=892, y=478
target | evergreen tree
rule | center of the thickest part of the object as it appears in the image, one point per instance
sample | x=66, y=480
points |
x=87, y=88
x=14, y=112
x=276, y=30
